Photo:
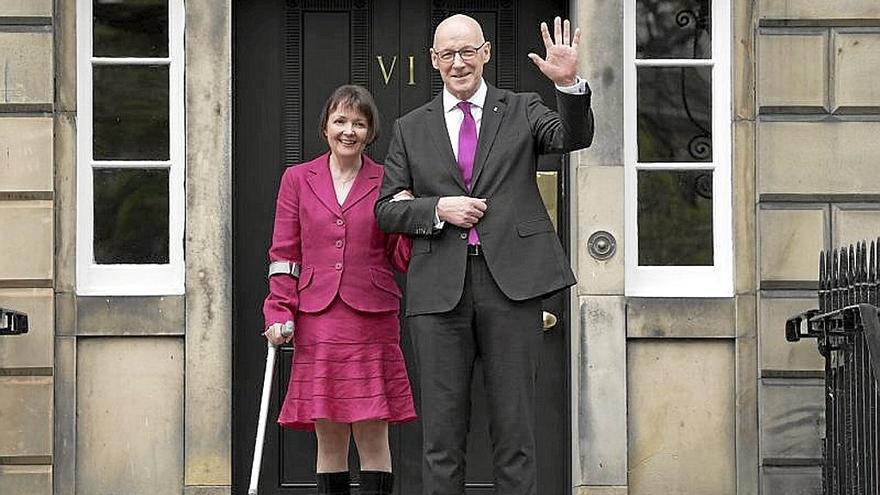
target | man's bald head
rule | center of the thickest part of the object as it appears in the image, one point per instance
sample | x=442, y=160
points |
x=458, y=25
x=461, y=71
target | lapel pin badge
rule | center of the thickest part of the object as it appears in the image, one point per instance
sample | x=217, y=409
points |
x=494, y=109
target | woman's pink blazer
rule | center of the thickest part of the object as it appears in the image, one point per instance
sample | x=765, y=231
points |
x=340, y=248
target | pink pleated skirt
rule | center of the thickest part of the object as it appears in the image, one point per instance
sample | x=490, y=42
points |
x=347, y=367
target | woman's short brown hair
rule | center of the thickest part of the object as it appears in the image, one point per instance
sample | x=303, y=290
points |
x=356, y=98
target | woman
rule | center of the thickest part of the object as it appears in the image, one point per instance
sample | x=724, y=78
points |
x=331, y=274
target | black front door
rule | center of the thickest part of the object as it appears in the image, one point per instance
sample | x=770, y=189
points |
x=288, y=56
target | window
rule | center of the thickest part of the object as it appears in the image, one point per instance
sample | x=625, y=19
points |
x=130, y=147
x=677, y=152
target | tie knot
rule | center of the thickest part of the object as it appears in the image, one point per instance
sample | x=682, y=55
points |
x=465, y=106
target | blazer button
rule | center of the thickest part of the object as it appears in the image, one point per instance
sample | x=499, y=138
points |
x=463, y=236
x=338, y=266
x=339, y=221
x=339, y=244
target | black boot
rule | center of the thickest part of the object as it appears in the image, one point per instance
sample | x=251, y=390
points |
x=333, y=483
x=376, y=483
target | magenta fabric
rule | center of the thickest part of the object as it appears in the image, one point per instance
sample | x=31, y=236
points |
x=347, y=363
x=347, y=367
x=467, y=152
x=340, y=248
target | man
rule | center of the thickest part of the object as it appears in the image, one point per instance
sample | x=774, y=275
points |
x=460, y=178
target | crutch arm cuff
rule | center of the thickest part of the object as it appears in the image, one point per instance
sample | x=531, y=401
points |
x=284, y=268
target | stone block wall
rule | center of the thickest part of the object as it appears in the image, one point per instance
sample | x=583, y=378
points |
x=27, y=260
x=652, y=375
x=817, y=156
x=127, y=373
x=94, y=398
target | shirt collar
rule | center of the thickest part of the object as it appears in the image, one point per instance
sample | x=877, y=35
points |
x=478, y=99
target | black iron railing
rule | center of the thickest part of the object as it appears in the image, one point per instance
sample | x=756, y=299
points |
x=847, y=329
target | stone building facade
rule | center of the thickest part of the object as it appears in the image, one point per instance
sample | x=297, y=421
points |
x=673, y=389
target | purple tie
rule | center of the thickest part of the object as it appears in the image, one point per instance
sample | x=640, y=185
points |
x=467, y=150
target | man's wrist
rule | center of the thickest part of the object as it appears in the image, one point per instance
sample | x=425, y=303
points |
x=438, y=223
x=579, y=86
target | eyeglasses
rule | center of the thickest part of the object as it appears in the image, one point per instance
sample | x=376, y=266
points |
x=466, y=53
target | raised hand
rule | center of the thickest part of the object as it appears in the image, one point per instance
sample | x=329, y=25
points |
x=560, y=64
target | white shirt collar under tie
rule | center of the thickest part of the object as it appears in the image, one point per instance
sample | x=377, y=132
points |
x=478, y=99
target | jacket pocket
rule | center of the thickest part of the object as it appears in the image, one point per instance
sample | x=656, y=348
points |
x=305, y=277
x=384, y=281
x=532, y=227
x=421, y=245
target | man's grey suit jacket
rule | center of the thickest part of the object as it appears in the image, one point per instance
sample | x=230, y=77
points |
x=520, y=246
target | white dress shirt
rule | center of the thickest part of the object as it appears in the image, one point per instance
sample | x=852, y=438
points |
x=454, y=115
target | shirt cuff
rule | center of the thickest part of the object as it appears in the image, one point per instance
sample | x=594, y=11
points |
x=438, y=224
x=578, y=88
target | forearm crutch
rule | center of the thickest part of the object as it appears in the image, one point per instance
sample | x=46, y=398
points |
x=268, y=375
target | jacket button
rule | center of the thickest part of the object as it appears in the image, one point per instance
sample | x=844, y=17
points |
x=463, y=236
x=339, y=244
x=339, y=221
x=338, y=266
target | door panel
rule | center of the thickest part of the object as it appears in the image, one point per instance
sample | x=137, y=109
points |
x=288, y=56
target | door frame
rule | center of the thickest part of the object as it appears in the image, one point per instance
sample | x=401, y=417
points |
x=566, y=236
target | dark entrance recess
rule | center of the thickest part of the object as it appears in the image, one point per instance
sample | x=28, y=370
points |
x=288, y=56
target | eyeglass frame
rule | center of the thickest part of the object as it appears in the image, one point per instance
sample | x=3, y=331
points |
x=458, y=52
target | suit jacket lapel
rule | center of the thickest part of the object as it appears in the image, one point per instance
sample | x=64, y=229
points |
x=440, y=136
x=493, y=114
x=322, y=183
x=367, y=179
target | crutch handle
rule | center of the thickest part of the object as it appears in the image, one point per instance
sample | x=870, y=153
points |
x=287, y=330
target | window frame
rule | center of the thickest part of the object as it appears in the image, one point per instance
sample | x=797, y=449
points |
x=129, y=279
x=682, y=281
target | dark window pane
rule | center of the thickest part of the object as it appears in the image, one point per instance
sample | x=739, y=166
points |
x=131, y=112
x=130, y=28
x=675, y=217
x=673, y=29
x=675, y=114
x=131, y=216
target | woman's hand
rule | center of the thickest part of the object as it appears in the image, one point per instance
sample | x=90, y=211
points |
x=278, y=333
x=404, y=195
